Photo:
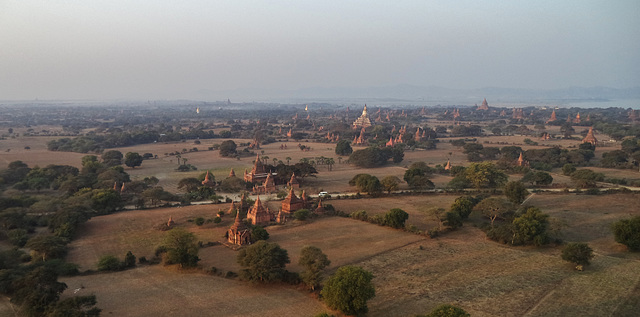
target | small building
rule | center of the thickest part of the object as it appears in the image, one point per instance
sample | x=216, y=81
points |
x=258, y=215
x=293, y=182
x=291, y=203
x=239, y=233
x=590, y=138
x=207, y=181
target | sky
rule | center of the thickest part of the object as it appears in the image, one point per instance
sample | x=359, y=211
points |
x=158, y=49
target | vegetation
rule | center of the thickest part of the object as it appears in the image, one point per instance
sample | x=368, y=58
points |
x=263, y=262
x=627, y=232
x=367, y=183
x=348, y=290
x=577, y=253
x=343, y=148
x=446, y=310
x=395, y=218
x=313, y=261
x=181, y=247
x=515, y=192
x=376, y=157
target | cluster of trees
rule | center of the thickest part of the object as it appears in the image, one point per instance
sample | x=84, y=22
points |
x=478, y=175
x=376, y=157
x=96, y=143
x=417, y=176
x=394, y=218
x=627, y=157
x=514, y=226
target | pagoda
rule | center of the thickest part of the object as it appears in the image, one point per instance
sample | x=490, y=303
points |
x=590, y=138
x=207, y=181
x=553, y=116
x=232, y=173
x=363, y=121
x=258, y=215
x=577, y=119
x=484, y=106
x=239, y=233
x=391, y=142
x=521, y=161
x=293, y=182
x=320, y=210
x=291, y=203
x=258, y=172
x=170, y=223
x=448, y=166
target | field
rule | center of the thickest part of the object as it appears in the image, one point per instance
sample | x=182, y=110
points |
x=413, y=273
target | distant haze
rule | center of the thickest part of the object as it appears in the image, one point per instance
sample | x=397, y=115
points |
x=78, y=49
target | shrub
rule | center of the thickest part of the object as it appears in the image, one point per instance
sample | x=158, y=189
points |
x=301, y=214
x=627, y=232
x=199, y=221
x=109, y=263
x=578, y=253
x=129, y=260
x=359, y=215
x=217, y=220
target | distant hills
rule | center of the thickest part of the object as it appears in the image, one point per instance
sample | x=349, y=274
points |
x=412, y=93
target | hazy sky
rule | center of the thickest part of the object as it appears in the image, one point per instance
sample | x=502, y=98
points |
x=158, y=49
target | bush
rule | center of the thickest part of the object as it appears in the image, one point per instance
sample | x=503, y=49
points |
x=446, y=310
x=129, y=260
x=578, y=253
x=349, y=289
x=258, y=233
x=359, y=215
x=109, y=263
x=301, y=214
x=217, y=220
x=627, y=232
x=395, y=218
x=199, y=221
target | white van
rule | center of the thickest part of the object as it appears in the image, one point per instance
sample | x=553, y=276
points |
x=323, y=194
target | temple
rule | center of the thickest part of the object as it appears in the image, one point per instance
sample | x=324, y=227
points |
x=590, y=138
x=521, y=161
x=484, y=106
x=293, y=182
x=291, y=203
x=363, y=121
x=258, y=215
x=239, y=233
x=553, y=116
x=258, y=172
x=207, y=181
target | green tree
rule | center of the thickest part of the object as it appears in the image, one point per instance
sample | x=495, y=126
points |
x=349, y=289
x=390, y=183
x=485, y=174
x=627, y=232
x=109, y=263
x=79, y=306
x=578, y=253
x=259, y=233
x=189, y=184
x=228, y=148
x=313, y=261
x=129, y=260
x=586, y=178
x=446, y=310
x=112, y=158
x=463, y=206
x=263, y=262
x=395, y=218
x=37, y=290
x=133, y=159
x=515, y=192
x=367, y=183
x=182, y=248
x=343, y=148
x=530, y=228
x=568, y=169
x=49, y=247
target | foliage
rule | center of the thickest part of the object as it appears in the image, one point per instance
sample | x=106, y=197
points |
x=390, y=183
x=189, y=184
x=79, y=306
x=37, y=290
x=627, y=232
x=182, y=248
x=49, y=247
x=359, y=215
x=367, y=183
x=129, y=260
x=568, y=169
x=228, y=148
x=515, y=192
x=343, y=148
x=446, y=310
x=530, y=228
x=112, y=158
x=494, y=208
x=578, y=253
x=395, y=218
x=538, y=178
x=301, y=214
x=417, y=176
x=586, y=178
x=109, y=263
x=376, y=157
x=263, y=262
x=349, y=289
x=133, y=159
x=259, y=233
x=313, y=261
x=463, y=206
x=485, y=175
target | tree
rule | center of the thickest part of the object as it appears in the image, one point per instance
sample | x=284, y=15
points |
x=49, y=247
x=485, y=174
x=343, y=148
x=446, y=310
x=494, y=208
x=515, y=192
x=112, y=158
x=530, y=228
x=109, y=263
x=181, y=247
x=79, y=306
x=568, y=169
x=263, y=262
x=538, y=178
x=578, y=253
x=395, y=218
x=627, y=232
x=586, y=178
x=129, y=260
x=189, y=184
x=349, y=289
x=313, y=261
x=367, y=183
x=37, y=290
x=390, y=183
x=463, y=206
x=133, y=159
x=228, y=148
x=259, y=233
